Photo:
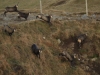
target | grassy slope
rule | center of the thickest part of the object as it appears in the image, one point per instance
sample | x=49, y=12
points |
x=16, y=57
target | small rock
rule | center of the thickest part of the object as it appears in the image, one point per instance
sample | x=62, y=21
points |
x=59, y=41
x=93, y=59
x=43, y=37
x=87, y=67
x=84, y=56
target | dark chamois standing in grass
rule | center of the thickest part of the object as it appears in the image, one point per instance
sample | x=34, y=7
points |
x=23, y=15
x=80, y=39
x=45, y=18
x=36, y=50
x=9, y=30
x=11, y=9
x=68, y=56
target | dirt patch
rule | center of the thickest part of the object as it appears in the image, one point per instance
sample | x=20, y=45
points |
x=96, y=67
x=59, y=3
x=87, y=55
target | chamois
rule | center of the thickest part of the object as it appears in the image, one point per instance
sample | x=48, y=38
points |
x=11, y=9
x=80, y=39
x=70, y=57
x=45, y=18
x=9, y=30
x=23, y=15
x=36, y=50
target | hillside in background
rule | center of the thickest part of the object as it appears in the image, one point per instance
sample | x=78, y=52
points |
x=59, y=5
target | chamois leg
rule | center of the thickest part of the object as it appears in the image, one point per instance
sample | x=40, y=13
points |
x=5, y=13
x=39, y=56
x=50, y=24
x=25, y=18
x=19, y=17
x=80, y=45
